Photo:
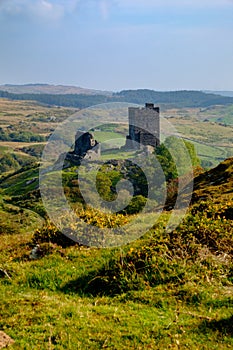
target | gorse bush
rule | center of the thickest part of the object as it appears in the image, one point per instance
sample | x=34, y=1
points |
x=208, y=224
x=201, y=244
x=49, y=233
x=92, y=217
x=97, y=218
x=138, y=268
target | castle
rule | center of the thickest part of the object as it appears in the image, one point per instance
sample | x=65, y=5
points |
x=144, y=134
x=144, y=127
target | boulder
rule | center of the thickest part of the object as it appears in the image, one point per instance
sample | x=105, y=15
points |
x=5, y=340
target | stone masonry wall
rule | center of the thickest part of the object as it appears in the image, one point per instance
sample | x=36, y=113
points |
x=144, y=127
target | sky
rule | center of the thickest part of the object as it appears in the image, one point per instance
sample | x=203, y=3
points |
x=118, y=44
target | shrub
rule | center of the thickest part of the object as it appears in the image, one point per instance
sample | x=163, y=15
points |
x=136, y=205
x=92, y=217
x=202, y=245
x=49, y=233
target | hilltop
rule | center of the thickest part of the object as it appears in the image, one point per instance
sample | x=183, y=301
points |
x=49, y=89
x=220, y=92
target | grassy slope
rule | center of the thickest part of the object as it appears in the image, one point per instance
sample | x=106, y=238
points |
x=21, y=183
x=40, y=313
x=46, y=303
x=216, y=184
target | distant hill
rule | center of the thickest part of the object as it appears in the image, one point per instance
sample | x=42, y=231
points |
x=49, y=89
x=222, y=93
x=177, y=99
x=182, y=98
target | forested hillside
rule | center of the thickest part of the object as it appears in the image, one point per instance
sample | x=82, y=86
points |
x=168, y=98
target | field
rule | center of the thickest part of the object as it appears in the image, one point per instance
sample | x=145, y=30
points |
x=30, y=116
x=209, y=129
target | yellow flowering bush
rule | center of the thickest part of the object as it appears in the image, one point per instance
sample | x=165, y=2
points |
x=201, y=245
x=93, y=217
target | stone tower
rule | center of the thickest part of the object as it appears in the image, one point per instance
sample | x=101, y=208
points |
x=144, y=127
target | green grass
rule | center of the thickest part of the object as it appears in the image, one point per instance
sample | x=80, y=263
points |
x=39, y=312
x=218, y=114
x=175, y=292
x=206, y=129
x=110, y=139
x=4, y=149
x=21, y=182
x=211, y=155
x=67, y=323
x=117, y=154
x=15, y=220
x=102, y=136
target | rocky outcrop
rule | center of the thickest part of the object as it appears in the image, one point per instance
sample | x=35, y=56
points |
x=84, y=142
x=86, y=147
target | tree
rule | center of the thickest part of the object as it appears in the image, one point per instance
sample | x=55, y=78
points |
x=176, y=156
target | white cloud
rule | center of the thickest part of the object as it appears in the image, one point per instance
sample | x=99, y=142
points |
x=42, y=9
